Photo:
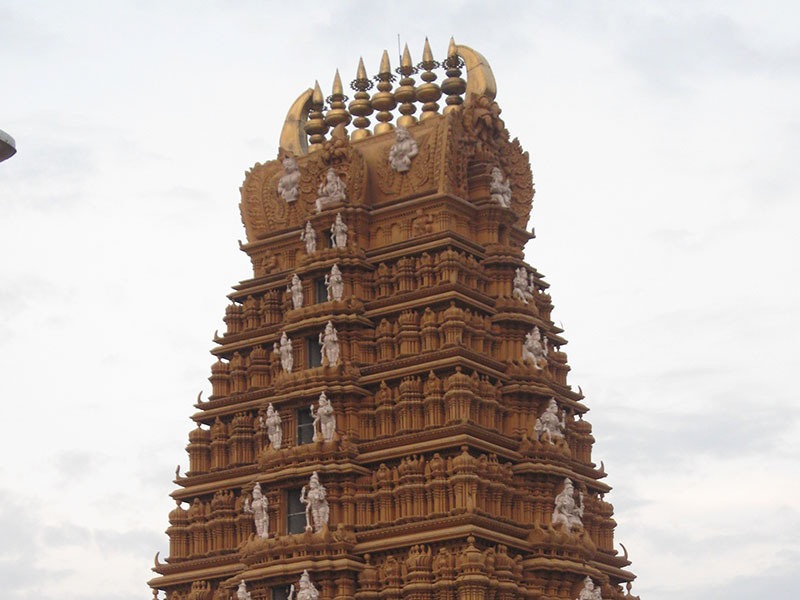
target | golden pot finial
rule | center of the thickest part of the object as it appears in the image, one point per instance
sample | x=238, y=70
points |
x=454, y=86
x=337, y=114
x=406, y=94
x=383, y=100
x=360, y=107
x=428, y=93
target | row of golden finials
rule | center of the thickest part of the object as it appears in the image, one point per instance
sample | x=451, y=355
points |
x=385, y=100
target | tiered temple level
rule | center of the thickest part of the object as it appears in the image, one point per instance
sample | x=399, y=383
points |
x=392, y=361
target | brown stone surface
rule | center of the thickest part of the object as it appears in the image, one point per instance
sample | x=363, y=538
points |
x=438, y=487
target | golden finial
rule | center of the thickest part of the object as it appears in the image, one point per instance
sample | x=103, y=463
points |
x=454, y=85
x=338, y=109
x=383, y=100
x=428, y=93
x=360, y=106
x=406, y=94
x=315, y=125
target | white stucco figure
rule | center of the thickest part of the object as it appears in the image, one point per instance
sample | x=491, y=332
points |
x=258, y=508
x=589, y=592
x=531, y=283
x=521, y=290
x=548, y=425
x=403, y=150
x=500, y=187
x=296, y=290
x=339, y=232
x=317, y=509
x=284, y=349
x=309, y=236
x=324, y=419
x=288, y=184
x=335, y=284
x=329, y=340
x=273, y=425
x=305, y=589
x=566, y=510
x=241, y=592
x=331, y=190
x=534, y=349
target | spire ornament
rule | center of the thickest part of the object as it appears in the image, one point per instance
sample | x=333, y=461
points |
x=360, y=106
x=338, y=109
x=383, y=100
x=428, y=93
x=454, y=86
x=315, y=126
x=406, y=93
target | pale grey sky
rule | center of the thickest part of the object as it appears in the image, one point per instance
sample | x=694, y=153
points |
x=664, y=139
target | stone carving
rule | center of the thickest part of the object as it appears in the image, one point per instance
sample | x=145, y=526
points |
x=296, y=290
x=589, y=592
x=317, y=509
x=241, y=592
x=567, y=511
x=500, y=187
x=289, y=181
x=335, y=284
x=309, y=236
x=522, y=291
x=403, y=150
x=273, y=425
x=258, y=508
x=534, y=348
x=305, y=589
x=284, y=350
x=549, y=425
x=324, y=419
x=329, y=340
x=339, y=232
x=330, y=191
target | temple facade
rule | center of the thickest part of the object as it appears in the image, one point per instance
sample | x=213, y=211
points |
x=390, y=415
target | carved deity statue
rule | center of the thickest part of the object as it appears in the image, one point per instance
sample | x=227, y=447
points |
x=566, y=510
x=309, y=236
x=289, y=181
x=317, y=509
x=534, y=348
x=335, y=284
x=284, y=350
x=305, y=589
x=500, y=188
x=330, y=191
x=339, y=232
x=296, y=290
x=258, y=508
x=329, y=340
x=522, y=290
x=403, y=150
x=241, y=592
x=589, y=592
x=323, y=416
x=548, y=424
x=273, y=426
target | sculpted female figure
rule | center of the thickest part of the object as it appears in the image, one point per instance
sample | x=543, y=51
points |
x=566, y=510
x=335, y=284
x=309, y=236
x=273, y=426
x=329, y=340
x=305, y=589
x=500, y=188
x=258, y=508
x=403, y=150
x=296, y=290
x=289, y=181
x=339, y=232
x=325, y=417
x=549, y=425
x=534, y=348
x=317, y=509
x=331, y=190
x=284, y=349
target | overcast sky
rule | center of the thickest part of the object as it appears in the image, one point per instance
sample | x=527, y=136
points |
x=665, y=142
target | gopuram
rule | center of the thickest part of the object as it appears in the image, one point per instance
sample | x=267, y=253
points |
x=390, y=417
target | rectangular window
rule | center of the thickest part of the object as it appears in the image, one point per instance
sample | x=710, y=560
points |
x=320, y=290
x=314, y=352
x=280, y=592
x=305, y=426
x=295, y=512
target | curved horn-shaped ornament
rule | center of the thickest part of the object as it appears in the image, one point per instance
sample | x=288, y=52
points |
x=199, y=396
x=158, y=565
x=293, y=134
x=480, y=79
x=625, y=550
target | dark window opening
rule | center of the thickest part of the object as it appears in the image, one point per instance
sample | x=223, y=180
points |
x=295, y=512
x=280, y=592
x=305, y=426
x=320, y=290
x=314, y=352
